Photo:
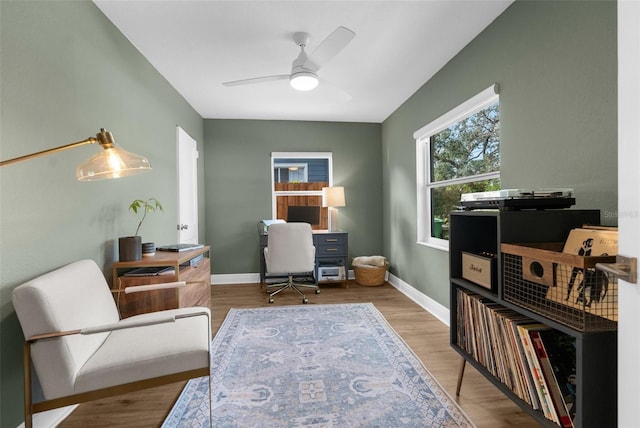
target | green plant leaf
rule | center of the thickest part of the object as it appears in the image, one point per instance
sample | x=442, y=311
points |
x=148, y=206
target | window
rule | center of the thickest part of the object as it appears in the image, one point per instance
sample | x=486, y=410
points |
x=457, y=153
x=297, y=180
x=285, y=172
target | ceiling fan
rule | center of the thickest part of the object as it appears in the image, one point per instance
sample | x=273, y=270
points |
x=303, y=76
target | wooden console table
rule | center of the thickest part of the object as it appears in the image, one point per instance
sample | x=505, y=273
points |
x=181, y=266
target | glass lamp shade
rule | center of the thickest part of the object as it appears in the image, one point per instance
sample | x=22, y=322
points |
x=333, y=196
x=112, y=162
x=303, y=81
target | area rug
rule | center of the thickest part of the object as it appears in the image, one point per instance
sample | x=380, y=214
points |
x=314, y=366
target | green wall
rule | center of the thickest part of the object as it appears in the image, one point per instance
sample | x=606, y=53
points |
x=66, y=72
x=556, y=64
x=238, y=177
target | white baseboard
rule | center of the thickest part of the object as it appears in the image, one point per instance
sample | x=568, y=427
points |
x=235, y=278
x=51, y=418
x=427, y=303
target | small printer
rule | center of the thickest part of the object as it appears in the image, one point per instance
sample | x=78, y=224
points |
x=331, y=273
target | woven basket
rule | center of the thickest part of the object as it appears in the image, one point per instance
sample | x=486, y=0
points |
x=370, y=275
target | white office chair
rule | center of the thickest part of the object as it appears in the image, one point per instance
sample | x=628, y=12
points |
x=290, y=252
x=82, y=351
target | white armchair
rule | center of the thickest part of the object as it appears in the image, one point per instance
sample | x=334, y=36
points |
x=82, y=351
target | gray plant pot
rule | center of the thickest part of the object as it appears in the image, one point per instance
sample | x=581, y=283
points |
x=148, y=249
x=130, y=248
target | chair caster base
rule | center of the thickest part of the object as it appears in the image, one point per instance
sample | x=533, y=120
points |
x=305, y=301
x=318, y=291
x=270, y=300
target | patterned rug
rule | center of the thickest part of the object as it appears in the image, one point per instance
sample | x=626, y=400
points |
x=314, y=366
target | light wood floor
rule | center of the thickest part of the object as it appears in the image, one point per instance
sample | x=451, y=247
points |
x=424, y=334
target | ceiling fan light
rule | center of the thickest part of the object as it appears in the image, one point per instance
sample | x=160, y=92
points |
x=303, y=80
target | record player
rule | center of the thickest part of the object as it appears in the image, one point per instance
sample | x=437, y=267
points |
x=518, y=199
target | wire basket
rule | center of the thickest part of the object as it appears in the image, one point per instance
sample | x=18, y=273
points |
x=564, y=287
x=370, y=275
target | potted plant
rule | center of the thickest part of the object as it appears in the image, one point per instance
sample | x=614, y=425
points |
x=130, y=247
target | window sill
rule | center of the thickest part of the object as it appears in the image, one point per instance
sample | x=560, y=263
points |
x=438, y=244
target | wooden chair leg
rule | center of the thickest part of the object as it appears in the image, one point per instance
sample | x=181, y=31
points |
x=463, y=363
x=28, y=410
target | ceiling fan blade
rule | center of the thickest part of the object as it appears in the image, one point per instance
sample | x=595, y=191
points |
x=336, y=92
x=330, y=47
x=256, y=80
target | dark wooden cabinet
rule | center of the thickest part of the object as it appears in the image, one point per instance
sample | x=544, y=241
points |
x=596, y=351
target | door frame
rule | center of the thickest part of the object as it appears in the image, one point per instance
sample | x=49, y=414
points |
x=191, y=177
x=628, y=208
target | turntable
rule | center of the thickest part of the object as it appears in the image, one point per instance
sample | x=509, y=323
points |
x=518, y=199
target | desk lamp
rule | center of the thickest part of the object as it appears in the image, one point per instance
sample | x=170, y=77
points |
x=333, y=197
x=113, y=162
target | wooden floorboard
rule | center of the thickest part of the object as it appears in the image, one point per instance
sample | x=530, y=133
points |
x=425, y=335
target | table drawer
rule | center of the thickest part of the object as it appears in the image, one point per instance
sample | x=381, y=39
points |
x=332, y=240
x=199, y=271
x=331, y=250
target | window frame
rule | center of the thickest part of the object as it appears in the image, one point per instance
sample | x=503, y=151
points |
x=297, y=155
x=424, y=185
x=293, y=165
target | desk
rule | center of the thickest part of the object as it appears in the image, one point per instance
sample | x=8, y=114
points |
x=186, y=266
x=331, y=250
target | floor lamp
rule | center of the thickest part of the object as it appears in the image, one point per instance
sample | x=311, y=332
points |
x=112, y=162
x=333, y=197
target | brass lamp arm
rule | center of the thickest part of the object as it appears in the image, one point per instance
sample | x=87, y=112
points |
x=89, y=140
x=103, y=137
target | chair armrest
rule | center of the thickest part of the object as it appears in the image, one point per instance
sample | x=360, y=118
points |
x=193, y=314
x=128, y=324
x=150, y=287
x=159, y=319
x=110, y=327
x=52, y=335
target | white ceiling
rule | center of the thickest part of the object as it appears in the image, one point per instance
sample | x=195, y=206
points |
x=198, y=44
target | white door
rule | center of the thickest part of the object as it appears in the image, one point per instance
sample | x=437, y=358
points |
x=187, y=188
x=628, y=209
